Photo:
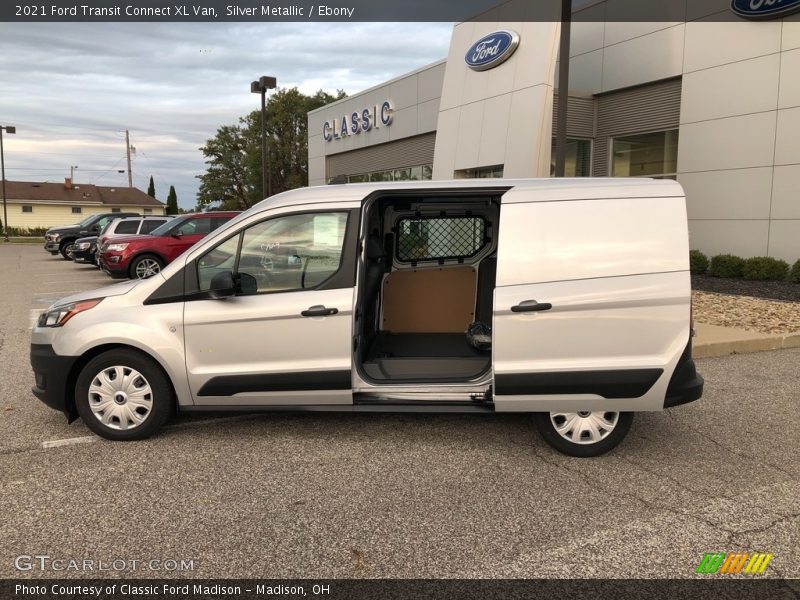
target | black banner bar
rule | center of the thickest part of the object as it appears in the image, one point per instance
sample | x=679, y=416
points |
x=666, y=11
x=716, y=587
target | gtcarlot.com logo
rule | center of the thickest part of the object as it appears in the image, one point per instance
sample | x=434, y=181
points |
x=44, y=562
x=731, y=563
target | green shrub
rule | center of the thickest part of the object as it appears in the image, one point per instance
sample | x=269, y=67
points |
x=765, y=268
x=698, y=262
x=794, y=274
x=27, y=231
x=726, y=265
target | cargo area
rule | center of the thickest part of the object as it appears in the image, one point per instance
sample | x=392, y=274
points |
x=429, y=275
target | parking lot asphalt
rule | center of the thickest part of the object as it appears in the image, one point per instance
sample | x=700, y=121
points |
x=407, y=496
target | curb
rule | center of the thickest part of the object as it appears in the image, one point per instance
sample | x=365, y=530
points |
x=760, y=344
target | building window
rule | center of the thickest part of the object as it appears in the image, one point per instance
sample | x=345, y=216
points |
x=645, y=155
x=76, y=210
x=415, y=173
x=493, y=172
x=148, y=211
x=579, y=158
x=116, y=210
x=27, y=208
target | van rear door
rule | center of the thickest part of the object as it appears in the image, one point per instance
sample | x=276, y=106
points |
x=592, y=302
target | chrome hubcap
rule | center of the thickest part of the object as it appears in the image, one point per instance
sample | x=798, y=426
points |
x=120, y=398
x=584, y=427
x=147, y=268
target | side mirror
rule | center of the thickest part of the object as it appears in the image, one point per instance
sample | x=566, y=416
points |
x=95, y=228
x=222, y=286
x=177, y=235
x=246, y=284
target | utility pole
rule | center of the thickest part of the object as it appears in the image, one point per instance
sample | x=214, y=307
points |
x=9, y=129
x=128, y=152
x=563, y=89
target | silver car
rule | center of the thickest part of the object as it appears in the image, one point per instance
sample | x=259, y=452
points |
x=568, y=299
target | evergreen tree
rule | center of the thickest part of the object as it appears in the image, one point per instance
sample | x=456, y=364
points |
x=151, y=189
x=172, y=201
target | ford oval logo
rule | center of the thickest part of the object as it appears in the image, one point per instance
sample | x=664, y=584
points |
x=492, y=50
x=764, y=9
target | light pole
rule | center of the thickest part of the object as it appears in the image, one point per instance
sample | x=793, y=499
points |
x=261, y=86
x=8, y=129
x=72, y=172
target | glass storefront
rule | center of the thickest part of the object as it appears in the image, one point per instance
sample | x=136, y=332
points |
x=579, y=158
x=493, y=172
x=645, y=155
x=416, y=173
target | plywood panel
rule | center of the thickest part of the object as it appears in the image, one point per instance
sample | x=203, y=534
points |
x=438, y=300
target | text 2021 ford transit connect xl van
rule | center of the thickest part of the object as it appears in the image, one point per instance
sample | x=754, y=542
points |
x=565, y=298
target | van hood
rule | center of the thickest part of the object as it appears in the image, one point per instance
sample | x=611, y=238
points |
x=117, y=289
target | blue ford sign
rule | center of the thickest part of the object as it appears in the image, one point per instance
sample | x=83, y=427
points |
x=764, y=9
x=492, y=50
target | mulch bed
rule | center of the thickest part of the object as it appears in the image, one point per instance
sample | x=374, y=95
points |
x=773, y=290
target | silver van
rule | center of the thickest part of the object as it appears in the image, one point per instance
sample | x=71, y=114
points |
x=566, y=298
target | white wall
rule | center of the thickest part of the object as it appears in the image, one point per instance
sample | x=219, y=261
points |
x=502, y=116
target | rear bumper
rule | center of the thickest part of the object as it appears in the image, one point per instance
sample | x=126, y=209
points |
x=51, y=372
x=686, y=384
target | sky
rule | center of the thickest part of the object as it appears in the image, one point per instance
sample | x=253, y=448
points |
x=72, y=89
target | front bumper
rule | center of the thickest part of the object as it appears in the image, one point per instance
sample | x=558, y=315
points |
x=114, y=263
x=86, y=256
x=52, y=378
x=51, y=247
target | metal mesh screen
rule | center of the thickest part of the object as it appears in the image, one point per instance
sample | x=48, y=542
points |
x=440, y=238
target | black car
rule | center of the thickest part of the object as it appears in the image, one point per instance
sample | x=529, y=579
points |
x=61, y=238
x=84, y=250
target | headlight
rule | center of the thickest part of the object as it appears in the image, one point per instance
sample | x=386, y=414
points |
x=116, y=247
x=56, y=317
x=82, y=246
x=54, y=236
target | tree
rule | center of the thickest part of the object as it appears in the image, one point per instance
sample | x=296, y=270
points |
x=151, y=189
x=233, y=177
x=172, y=201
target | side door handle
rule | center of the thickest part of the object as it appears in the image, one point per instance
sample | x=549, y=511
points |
x=531, y=306
x=319, y=311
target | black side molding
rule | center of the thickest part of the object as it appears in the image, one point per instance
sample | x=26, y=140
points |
x=627, y=383
x=229, y=385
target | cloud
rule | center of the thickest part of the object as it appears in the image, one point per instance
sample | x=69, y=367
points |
x=72, y=89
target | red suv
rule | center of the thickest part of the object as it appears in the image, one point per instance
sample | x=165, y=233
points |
x=142, y=256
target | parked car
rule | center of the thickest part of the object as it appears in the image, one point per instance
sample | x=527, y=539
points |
x=85, y=249
x=142, y=256
x=569, y=299
x=60, y=239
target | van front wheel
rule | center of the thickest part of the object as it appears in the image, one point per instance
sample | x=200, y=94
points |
x=123, y=395
x=584, y=434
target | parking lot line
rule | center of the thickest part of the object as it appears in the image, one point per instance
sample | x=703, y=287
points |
x=86, y=439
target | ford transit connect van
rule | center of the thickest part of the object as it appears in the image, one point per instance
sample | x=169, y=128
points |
x=565, y=298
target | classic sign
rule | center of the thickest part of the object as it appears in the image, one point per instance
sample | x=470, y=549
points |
x=491, y=50
x=358, y=121
x=764, y=9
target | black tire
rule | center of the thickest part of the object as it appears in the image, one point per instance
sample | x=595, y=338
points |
x=65, y=247
x=545, y=426
x=141, y=259
x=162, y=397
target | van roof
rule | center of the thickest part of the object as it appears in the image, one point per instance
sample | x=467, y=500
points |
x=541, y=190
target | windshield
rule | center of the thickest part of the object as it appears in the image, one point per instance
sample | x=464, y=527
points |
x=87, y=220
x=171, y=224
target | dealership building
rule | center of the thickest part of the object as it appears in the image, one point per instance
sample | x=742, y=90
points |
x=709, y=97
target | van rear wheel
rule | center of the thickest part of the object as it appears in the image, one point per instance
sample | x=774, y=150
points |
x=586, y=433
x=123, y=395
